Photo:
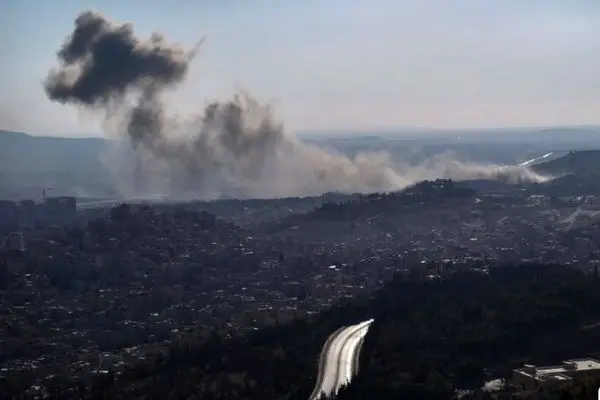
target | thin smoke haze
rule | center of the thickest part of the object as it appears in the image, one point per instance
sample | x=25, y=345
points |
x=235, y=146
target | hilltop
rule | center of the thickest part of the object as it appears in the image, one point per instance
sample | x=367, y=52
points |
x=584, y=162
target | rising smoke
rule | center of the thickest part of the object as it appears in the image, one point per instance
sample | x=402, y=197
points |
x=234, y=146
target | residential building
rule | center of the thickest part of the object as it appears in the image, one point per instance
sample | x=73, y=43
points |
x=572, y=376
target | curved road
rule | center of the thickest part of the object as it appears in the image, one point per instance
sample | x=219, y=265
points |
x=338, y=362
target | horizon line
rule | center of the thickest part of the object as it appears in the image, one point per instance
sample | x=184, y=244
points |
x=373, y=131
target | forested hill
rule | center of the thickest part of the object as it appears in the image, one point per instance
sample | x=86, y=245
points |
x=438, y=193
x=422, y=193
x=430, y=336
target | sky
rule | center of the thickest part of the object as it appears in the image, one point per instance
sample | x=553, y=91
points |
x=335, y=64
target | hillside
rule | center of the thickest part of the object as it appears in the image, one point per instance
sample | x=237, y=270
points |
x=361, y=208
x=428, y=337
x=568, y=185
x=583, y=162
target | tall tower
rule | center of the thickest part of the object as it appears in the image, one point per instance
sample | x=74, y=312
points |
x=44, y=189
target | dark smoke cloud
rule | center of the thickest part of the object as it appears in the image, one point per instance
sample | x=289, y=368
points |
x=101, y=61
x=234, y=146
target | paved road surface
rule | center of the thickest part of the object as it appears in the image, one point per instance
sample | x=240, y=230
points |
x=339, y=358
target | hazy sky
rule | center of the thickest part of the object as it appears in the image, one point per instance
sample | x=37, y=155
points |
x=337, y=64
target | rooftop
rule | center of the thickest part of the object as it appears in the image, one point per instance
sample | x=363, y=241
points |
x=560, y=371
x=586, y=363
x=555, y=377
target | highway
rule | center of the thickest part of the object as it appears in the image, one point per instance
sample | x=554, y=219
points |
x=338, y=361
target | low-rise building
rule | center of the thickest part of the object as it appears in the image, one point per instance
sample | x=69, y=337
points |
x=571, y=375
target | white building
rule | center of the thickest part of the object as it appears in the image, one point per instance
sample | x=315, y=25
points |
x=571, y=375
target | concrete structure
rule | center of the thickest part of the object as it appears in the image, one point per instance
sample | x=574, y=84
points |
x=571, y=375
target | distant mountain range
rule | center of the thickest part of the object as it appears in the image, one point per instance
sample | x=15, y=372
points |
x=579, y=134
x=22, y=152
x=66, y=165
x=73, y=166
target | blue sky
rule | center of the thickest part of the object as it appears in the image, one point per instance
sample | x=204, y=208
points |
x=337, y=64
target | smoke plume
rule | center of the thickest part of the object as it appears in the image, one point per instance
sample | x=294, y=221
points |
x=234, y=146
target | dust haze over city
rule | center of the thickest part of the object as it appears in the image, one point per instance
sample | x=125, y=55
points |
x=331, y=200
